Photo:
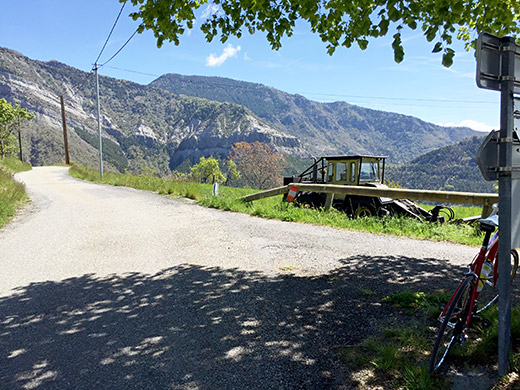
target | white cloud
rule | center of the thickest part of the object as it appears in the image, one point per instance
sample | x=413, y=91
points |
x=479, y=126
x=229, y=52
x=467, y=75
x=246, y=57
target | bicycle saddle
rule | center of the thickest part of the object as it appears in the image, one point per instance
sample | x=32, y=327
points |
x=491, y=221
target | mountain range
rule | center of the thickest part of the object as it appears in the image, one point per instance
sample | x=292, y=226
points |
x=323, y=128
x=178, y=119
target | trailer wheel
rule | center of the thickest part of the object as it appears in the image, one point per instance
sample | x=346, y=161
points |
x=309, y=199
x=364, y=210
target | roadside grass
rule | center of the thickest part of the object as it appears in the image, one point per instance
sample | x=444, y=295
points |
x=412, y=301
x=398, y=357
x=12, y=193
x=274, y=208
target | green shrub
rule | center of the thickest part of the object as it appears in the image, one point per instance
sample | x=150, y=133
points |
x=12, y=193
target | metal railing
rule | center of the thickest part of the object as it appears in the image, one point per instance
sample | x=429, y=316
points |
x=467, y=198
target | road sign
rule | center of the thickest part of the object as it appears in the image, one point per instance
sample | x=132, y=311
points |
x=490, y=53
x=488, y=158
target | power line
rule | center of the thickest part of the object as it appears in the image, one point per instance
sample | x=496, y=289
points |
x=403, y=104
x=399, y=98
x=134, y=71
x=87, y=76
x=122, y=47
x=111, y=31
x=208, y=82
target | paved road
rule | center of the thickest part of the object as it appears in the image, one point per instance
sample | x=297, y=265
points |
x=106, y=287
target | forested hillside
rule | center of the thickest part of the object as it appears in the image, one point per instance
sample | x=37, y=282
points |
x=451, y=168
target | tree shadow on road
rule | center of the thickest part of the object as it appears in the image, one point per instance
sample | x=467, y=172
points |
x=192, y=327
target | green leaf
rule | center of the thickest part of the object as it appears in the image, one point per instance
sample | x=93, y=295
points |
x=393, y=14
x=447, y=58
x=430, y=33
x=458, y=6
x=362, y=43
x=398, y=48
x=383, y=26
x=437, y=48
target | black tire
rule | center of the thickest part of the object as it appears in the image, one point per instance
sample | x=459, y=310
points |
x=309, y=199
x=452, y=325
x=364, y=209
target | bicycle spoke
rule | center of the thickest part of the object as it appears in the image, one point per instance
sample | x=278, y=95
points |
x=452, y=328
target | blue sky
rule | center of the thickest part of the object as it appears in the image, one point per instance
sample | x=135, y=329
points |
x=74, y=31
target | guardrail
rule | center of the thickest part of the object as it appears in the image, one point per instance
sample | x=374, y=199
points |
x=468, y=198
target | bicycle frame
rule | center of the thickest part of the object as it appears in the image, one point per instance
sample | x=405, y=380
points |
x=488, y=252
x=457, y=315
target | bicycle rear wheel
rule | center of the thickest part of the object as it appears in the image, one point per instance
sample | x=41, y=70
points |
x=453, y=324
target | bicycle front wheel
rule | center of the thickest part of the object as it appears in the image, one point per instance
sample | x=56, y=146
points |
x=488, y=296
x=452, y=326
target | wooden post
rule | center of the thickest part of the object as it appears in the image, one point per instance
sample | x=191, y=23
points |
x=328, y=201
x=486, y=211
x=65, y=135
x=20, y=144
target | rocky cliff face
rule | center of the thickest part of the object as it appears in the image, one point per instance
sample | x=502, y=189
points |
x=213, y=142
x=324, y=128
x=148, y=127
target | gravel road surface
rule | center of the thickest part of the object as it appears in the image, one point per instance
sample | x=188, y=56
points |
x=112, y=288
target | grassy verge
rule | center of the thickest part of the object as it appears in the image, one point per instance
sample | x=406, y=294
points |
x=12, y=193
x=394, y=360
x=399, y=357
x=274, y=208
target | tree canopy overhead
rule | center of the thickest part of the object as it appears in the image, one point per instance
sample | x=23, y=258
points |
x=337, y=22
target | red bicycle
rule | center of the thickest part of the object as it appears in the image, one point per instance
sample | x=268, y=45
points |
x=457, y=315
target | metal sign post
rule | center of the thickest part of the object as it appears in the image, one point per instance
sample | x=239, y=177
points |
x=497, y=60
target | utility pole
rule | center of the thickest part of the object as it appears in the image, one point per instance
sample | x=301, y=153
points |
x=20, y=143
x=65, y=133
x=99, y=123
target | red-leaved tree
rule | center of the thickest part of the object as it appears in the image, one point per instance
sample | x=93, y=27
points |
x=259, y=164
